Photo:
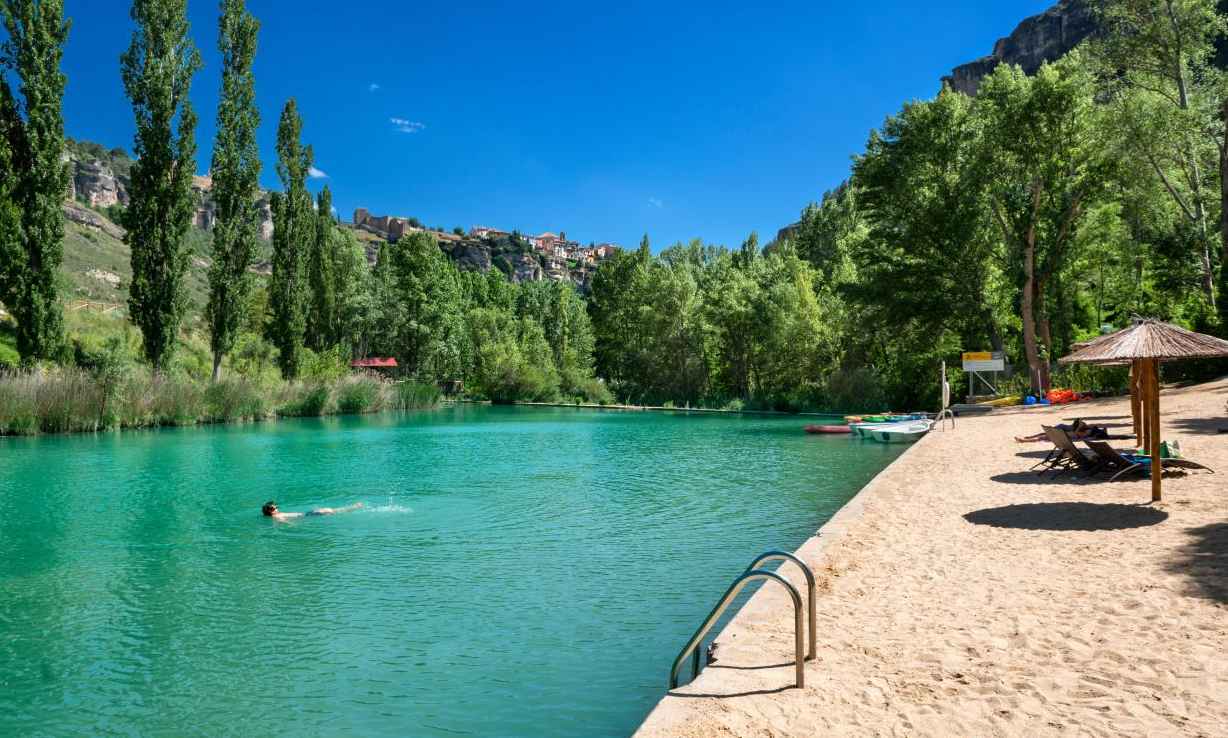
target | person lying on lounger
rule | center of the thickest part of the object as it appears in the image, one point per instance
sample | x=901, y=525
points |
x=270, y=511
x=1078, y=431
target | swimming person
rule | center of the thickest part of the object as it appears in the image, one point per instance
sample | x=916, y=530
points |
x=270, y=511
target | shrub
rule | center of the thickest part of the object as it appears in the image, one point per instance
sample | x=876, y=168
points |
x=234, y=399
x=734, y=406
x=9, y=358
x=306, y=400
x=360, y=394
x=595, y=391
x=326, y=366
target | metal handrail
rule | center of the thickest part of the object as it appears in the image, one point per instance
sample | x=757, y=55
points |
x=810, y=592
x=732, y=592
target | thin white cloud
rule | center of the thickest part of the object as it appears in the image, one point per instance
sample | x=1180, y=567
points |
x=406, y=126
x=316, y=173
x=373, y=87
x=655, y=202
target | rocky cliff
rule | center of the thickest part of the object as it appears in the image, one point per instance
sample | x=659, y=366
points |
x=99, y=179
x=1039, y=39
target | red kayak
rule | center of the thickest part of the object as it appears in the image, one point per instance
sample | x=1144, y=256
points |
x=828, y=429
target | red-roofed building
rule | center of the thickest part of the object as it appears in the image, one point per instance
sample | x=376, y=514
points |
x=376, y=364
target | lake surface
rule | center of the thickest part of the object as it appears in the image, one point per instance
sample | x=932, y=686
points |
x=517, y=572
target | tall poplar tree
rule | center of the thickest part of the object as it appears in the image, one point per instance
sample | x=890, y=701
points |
x=322, y=314
x=157, y=72
x=293, y=233
x=36, y=179
x=236, y=180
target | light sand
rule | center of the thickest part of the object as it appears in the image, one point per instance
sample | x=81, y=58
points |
x=962, y=596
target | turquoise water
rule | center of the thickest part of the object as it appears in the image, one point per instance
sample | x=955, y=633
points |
x=517, y=572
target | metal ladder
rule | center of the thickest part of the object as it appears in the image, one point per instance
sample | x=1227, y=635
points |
x=751, y=574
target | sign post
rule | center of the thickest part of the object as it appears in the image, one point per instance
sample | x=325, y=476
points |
x=976, y=362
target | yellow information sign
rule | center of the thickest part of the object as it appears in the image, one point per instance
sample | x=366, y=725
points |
x=984, y=361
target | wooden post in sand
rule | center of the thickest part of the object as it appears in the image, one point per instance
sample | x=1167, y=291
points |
x=1157, y=467
x=1144, y=387
x=1136, y=402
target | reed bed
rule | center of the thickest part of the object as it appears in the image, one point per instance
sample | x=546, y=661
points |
x=73, y=400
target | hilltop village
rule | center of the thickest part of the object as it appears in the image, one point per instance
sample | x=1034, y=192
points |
x=523, y=258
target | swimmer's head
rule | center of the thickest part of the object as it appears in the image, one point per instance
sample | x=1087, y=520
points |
x=269, y=508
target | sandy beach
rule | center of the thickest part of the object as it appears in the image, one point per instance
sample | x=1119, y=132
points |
x=960, y=594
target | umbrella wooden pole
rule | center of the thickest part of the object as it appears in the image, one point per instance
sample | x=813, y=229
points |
x=1136, y=403
x=1157, y=467
x=1144, y=403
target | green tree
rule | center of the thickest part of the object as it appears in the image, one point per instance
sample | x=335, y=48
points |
x=236, y=180
x=1046, y=165
x=1170, y=105
x=157, y=72
x=293, y=234
x=36, y=180
x=613, y=310
x=929, y=249
x=426, y=308
x=352, y=283
x=730, y=318
x=321, y=317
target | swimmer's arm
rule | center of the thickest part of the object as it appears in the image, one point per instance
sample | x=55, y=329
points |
x=287, y=516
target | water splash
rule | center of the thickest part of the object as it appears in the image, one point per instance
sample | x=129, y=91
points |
x=390, y=508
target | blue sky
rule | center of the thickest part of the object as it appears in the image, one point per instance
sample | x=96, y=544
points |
x=607, y=121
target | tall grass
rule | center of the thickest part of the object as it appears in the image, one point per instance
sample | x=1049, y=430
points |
x=63, y=401
x=360, y=394
x=412, y=395
x=68, y=400
x=305, y=400
x=234, y=399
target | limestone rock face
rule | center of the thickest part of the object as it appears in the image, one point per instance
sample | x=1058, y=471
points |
x=94, y=182
x=205, y=217
x=87, y=217
x=1039, y=39
x=481, y=255
x=470, y=256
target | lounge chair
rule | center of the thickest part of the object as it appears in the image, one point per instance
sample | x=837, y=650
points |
x=1113, y=460
x=1066, y=456
x=1122, y=463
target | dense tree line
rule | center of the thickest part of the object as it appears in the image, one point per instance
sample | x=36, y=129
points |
x=699, y=324
x=1025, y=219
x=1040, y=212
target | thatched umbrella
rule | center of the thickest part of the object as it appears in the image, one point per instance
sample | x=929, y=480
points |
x=1144, y=346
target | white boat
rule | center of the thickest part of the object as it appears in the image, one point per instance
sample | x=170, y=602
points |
x=907, y=432
x=862, y=430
